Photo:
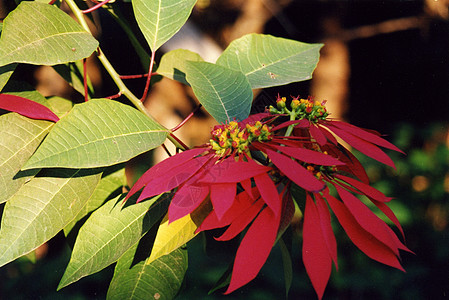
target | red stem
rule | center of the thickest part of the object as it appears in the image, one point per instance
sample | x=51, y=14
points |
x=186, y=119
x=86, y=96
x=179, y=141
x=135, y=76
x=147, y=85
x=114, y=96
x=95, y=7
x=51, y=2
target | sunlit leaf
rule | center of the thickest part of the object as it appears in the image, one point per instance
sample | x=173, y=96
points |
x=159, y=20
x=19, y=138
x=271, y=61
x=173, y=64
x=108, y=233
x=60, y=106
x=41, y=208
x=224, y=93
x=107, y=185
x=172, y=236
x=160, y=279
x=97, y=133
x=42, y=34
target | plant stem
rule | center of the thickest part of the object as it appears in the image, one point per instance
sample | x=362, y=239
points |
x=289, y=130
x=186, y=119
x=95, y=7
x=150, y=71
x=123, y=89
x=86, y=96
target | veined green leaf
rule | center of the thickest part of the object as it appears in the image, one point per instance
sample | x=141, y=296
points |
x=171, y=236
x=271, y=61
x=97, y=133
x=60, y=106
x=160, y=279
x=41, y=208
x=5, y=74
x=226, y=94
x=107, y=185
x=108, y=233
x=42, y=34
x=173, y=64
x=159, y=20
x=19, y=138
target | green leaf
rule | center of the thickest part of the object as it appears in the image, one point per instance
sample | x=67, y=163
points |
x=173, y=64
x=41, y=208
x=270, y=61
x=287, y=264
x=42, y=34
x=108, y=233
x=72, y=72
x=107, y=185
x=97, y=133
x=60, y=106
x=226, y=94
x=5, y=74
x=19, y=138
x=159, y=280
x=171, y=236
x=159, y=20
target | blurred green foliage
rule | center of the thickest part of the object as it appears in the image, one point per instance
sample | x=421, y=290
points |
x=420, y=186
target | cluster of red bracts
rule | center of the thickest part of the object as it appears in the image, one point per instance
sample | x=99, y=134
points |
x=255, y=194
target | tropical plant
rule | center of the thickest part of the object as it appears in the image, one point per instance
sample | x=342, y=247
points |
x=62, y=165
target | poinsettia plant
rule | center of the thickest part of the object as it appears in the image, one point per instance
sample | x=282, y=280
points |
x=62, y=166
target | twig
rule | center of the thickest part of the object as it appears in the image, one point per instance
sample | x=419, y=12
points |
x=186, y=119
x=86, y=96
x=95, y=7
x=147, y=85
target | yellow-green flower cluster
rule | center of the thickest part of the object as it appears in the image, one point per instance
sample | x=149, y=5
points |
x=301, y=108
x=231, y=137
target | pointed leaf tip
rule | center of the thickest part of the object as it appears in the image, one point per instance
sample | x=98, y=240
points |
x=254, y=249
x=316, y=256
x=271, y=61
x=27, y=108
x=160, y=20
x=225, y=93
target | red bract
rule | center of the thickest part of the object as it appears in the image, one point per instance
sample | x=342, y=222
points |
x=310, y=128
x=26, y=108
x=248, y=169
x=197, y=173
x=365, y=141
x=311, y=121
x=281, y=157
x=366, y=230
x=215, y=169
x=249, y=208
